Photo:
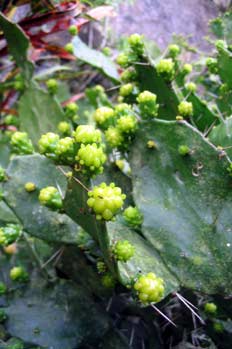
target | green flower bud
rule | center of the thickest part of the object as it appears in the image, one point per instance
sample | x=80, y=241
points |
x=123, y=250
x=91, y=158
x=87, y=134
x=127, y=124
x=150, y=288
x=126, y=90
x=65, y=150
x=3, y=288
x=69, y=48
x=147, y=104
x=64, y=128
x=123, y=109
x=11, y=120
x=183, y=150
x=73, y=30
x=187, y=69
x=212, y=65
x=185, y=108
x=21, y=143
x=123, y=60
x=129, y=75
x=29, y=186
x=19, y=274
x=166, y=68
x=191, y=87
x=210, y=308
x=9, y=234
x=173, y=50
x=101, y=267
x=48, y=143
x=218, y=327
x=151, y=144
x=71, y=110
x=221, y=45
x=133, y=216
x=136, y=43
x=108, y=281
x=114, y=137
x=50, y=197
x=52, y=86
x=106, y=51
x=106, y=201
x=104, y=116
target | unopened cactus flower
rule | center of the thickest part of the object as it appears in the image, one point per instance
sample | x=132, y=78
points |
x=210, y=308
x=133, y=216
x=147, y=104
x=150, y=288
x=30, y=186
x=52, y=86
x=87, y=134
x=166, y=68
x=108, y=280
x=73, y=30
x=106, y=201
x=114, y=137
x=191, y=87
x=183, y=150
x=123, y=250
x=104, y=116
x=126, y=90
x=69, y=48
x=173, y=50
x=19, y=274
x=48, y=143
x=50, y=197
x=91, y=157
x=185, y=108
x=64, y=128
x=127, y=124
x=21, y=143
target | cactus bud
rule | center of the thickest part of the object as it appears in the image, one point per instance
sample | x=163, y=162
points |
x=29, y=187
x=21, y=143
x=50, y=197
x=106, y=201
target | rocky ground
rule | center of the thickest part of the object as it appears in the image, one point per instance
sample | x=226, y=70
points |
x=159, y=19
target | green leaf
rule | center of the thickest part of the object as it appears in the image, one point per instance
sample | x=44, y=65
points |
x=37, y=220
x=18, y=44
x=95, y=58
x=6, y=214
x=5, y=151
x=186, y=204
x=75, y=204
x=145, y=259
x=39, y=112
x=55, y=316
x=149, y=80
x=225, y=66
x=221, y=135
x=202, y=117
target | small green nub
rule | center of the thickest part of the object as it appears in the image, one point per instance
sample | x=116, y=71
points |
x=183, y=150
x=108, y=281
x=69, y=48
x=73, y=30
x=52, y=86
x=210, y=308
x=29, y=186
x=19, y=274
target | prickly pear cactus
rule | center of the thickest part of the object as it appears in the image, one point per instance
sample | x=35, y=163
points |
x=136, y=193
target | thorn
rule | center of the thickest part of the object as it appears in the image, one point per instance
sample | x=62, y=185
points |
x=162, y=314
x=182, y=299
x=192, y=305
